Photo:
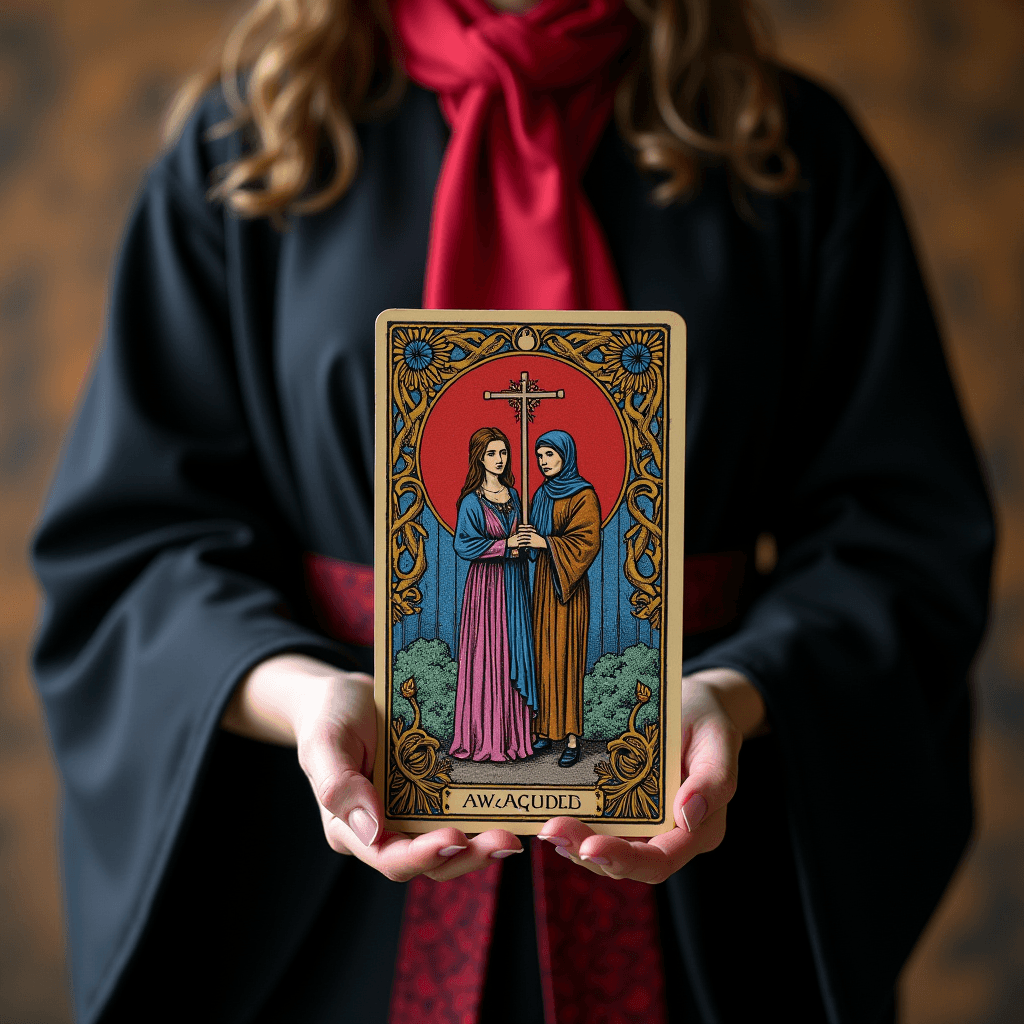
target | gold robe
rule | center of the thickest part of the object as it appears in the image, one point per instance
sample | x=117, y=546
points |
x=561, y=613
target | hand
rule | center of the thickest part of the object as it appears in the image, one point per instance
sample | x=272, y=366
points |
x=329, y=715
x=512, y=542
x=720, y=708
x=530, y=538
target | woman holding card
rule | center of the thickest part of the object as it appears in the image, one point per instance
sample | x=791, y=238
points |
x=496, y=694
x=545, y=160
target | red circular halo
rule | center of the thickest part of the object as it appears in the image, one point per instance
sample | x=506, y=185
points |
x=586, y=412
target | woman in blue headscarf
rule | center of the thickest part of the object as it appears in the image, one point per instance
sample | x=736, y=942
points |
x=566, y=537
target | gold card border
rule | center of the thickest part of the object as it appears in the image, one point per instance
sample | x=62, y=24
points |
x=672, y=598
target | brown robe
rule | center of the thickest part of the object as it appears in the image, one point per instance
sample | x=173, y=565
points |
x=561, y=613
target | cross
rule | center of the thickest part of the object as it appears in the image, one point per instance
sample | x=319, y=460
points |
x=522, y=396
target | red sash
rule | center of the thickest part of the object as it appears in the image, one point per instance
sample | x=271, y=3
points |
x=597, y=938
x=527, y=98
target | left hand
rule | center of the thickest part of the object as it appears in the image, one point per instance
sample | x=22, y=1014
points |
x=328, y=715
x=720, y=708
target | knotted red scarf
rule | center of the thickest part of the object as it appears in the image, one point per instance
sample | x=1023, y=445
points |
x=527, y=98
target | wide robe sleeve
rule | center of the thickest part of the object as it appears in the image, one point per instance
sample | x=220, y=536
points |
x=472, y=540
x=575, y=541
x=168, y=570
x=862, y=638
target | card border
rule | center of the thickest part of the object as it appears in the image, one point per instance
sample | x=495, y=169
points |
x=672, y=597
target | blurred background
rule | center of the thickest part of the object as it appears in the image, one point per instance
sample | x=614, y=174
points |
x=937, y=85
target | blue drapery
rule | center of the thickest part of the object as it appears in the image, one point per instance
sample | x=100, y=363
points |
x=471, y=541
x=564, y=485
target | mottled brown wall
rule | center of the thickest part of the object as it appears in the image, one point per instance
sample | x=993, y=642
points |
x=939, y=87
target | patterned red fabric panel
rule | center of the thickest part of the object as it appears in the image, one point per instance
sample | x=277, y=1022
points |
x=443, y=949
x=342, y=594
x=597, y=938
x=599, y=945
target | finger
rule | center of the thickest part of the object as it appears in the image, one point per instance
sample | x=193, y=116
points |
x=703, y=839
x=396, y=855
x=654, y=861
x=484, y=849
x=441, y=855
x=609, y=854
x=711, y=761
x=402, y=858
x=579, y=843
x=337, y=841
x=567, y=835
x=332, y=758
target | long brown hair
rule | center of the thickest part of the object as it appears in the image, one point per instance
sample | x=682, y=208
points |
x=701, y=89
x=477, y=449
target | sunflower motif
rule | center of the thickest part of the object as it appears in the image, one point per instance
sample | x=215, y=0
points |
x=632, y=358
x=420, y=355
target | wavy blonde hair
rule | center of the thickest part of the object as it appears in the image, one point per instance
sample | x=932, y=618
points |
x=700, y=89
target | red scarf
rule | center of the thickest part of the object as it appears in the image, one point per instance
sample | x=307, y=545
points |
x=527, y=97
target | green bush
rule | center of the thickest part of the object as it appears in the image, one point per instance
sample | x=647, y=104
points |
x=609, y=692
x=430, y=663
x=609, y=689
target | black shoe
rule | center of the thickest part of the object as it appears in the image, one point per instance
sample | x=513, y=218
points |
x=570, y=756
x=541, y=743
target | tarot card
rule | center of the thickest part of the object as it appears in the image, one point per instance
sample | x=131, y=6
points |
x=528, y=568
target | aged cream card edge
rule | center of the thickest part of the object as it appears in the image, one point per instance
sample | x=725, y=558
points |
x=672, y=607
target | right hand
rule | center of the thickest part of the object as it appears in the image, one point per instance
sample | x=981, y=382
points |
x=330, y=716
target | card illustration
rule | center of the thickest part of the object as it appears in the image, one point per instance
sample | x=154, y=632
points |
x=529, y=528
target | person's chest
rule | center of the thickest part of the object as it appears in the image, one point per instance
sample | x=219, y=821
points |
x=336, y=271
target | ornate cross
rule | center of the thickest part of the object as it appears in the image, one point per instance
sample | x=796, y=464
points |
x=525, y=401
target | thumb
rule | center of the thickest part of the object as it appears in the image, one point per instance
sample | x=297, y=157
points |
x=333, y=757
x=711, y=763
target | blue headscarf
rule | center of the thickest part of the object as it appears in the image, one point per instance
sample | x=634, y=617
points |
x=564, y=485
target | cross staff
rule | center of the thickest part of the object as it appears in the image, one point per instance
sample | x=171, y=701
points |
x=523, y=397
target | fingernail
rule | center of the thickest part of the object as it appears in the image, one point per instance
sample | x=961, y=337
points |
x=563, y=852
x=595, y=860
x=450, y=851
x=364, y=825
x=554, y=840
x=694, y=810
x=502, y=854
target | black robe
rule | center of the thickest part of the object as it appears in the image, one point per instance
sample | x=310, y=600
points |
x=228, y=428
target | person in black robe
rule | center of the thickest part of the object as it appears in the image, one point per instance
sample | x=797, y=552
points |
x=228, y=429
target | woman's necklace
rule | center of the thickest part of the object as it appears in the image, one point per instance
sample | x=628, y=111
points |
x=503, y=506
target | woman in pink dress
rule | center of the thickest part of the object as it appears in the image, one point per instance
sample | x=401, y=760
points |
x=496, y=695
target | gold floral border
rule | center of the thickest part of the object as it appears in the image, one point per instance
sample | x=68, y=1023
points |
x=630, y=361
x=417, y=776
x=631, y=777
